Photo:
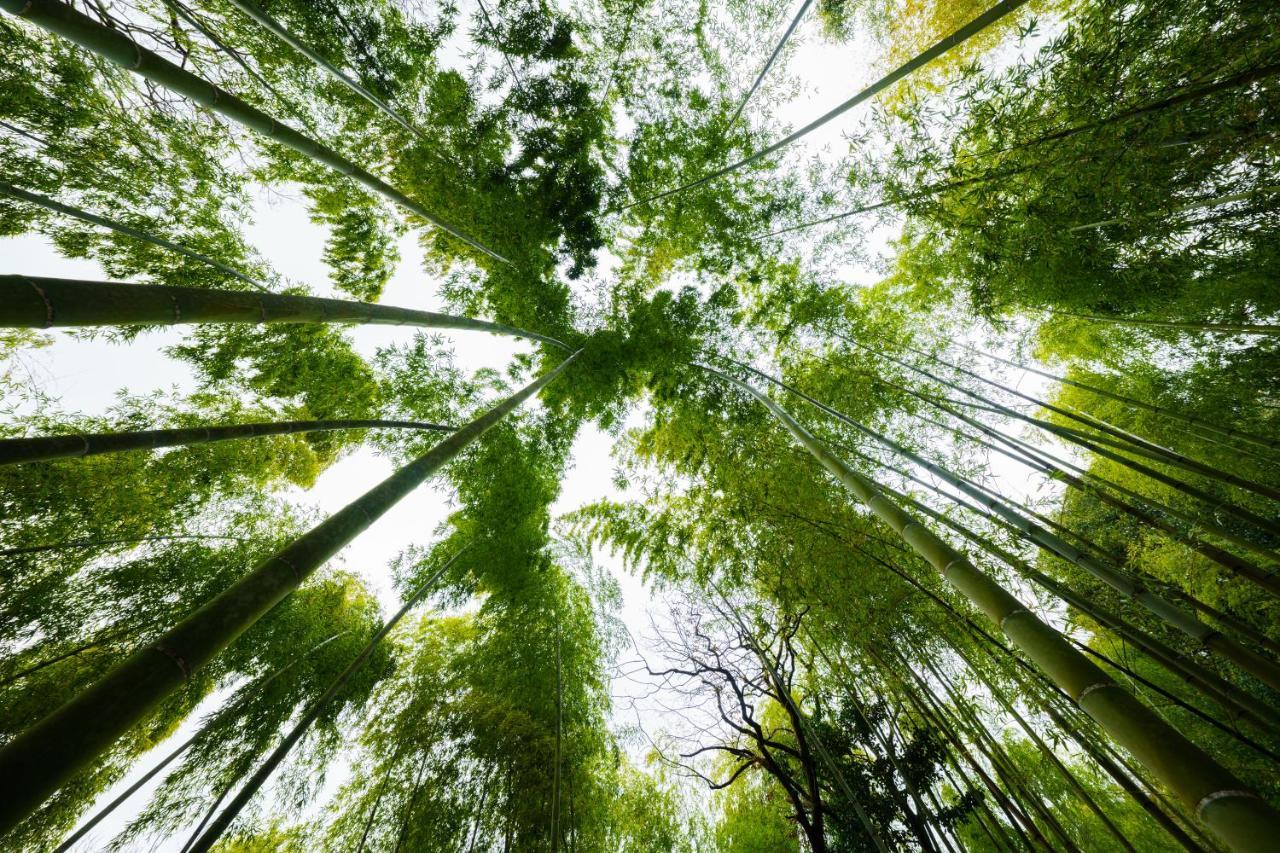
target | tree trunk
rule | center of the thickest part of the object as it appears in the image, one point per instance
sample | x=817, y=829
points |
x=48, y=754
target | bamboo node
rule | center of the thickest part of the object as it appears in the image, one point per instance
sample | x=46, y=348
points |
x=296, y=574
x=25, y=9
x=1092, y=687
x=1014, y=612
x=48, y=306
x=178, y=660
x=1209, y=799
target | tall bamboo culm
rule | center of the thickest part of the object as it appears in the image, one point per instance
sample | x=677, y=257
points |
x=50, y=753
x=32, y=302
x=223, y=821
x=114, y=46
x=1242, y=819
x=42, y=448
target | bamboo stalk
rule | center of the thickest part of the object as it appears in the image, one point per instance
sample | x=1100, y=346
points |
x=63, y=20
x=1163, y=609
x=918, y=693
x=1208, y=328
x=773, y=57
x=1241, y=79
x=963, y=34
x=1042, y=459
x=87, y=826
x=1240, y=817
x=279, y=31
x=127, y=230
x=1190, y=420
x=1055, y=468
x=1118, y=438
x=996, y=752
x=255, y=782
x=1194, y=673
x=50, y=753
x=1047, y=751
x=32, y=302
x=18, y=450
x=918, y=823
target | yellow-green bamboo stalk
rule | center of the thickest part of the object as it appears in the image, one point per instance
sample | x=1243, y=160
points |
x=1242, y=819
x=49, y=754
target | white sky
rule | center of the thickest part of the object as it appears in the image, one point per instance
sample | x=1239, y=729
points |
x=86, y=375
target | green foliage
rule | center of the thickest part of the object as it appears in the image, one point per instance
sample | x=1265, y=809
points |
x=1032, y=205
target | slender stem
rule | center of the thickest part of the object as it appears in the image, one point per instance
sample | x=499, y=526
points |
x=218, y=826
x=115, y=46
x=1176, y=617
x=88, y=825
x=51, y=752
x=773, y=57
x=96, y=543
x=1241, y=818
x=279, y=31
x=128, y=230
x=16, y=450
x=986, y=19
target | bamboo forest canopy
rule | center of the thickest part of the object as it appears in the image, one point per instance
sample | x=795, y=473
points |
x=932, y=346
